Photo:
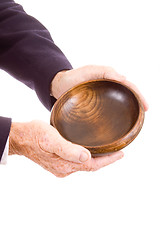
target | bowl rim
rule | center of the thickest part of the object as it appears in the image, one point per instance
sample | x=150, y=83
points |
x=119, y=143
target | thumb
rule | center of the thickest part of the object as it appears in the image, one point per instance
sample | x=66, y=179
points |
x=63, y=148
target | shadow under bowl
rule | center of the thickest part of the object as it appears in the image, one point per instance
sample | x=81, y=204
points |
x=102, y=115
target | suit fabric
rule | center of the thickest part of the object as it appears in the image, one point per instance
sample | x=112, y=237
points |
x=28, y=53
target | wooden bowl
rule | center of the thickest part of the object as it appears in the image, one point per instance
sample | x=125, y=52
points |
x=102, y=115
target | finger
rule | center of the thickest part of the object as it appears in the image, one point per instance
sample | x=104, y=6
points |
x=87, y=73
x=92, y=72
x=109, y=73
x=58, y=166
x=56, y=144
x=99, y=162
x=133, y=86
x=100, y=72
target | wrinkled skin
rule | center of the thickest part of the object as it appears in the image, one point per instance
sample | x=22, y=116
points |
x=43, y=144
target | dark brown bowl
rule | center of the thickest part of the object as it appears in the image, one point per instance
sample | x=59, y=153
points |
x=102, y=115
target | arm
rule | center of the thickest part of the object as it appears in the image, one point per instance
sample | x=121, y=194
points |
x=37, y=140
x=44, y=145
x=28, y=52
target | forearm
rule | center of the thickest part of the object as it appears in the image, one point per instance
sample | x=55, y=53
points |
x=16, y=138
x=20, y=139
x=28, y=52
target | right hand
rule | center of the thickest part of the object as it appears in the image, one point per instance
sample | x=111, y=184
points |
x=65, y=80
x=43, y=144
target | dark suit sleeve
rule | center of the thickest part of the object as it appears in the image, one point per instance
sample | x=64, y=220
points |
x=5, y=124
x=27, y=50
x=28, y=53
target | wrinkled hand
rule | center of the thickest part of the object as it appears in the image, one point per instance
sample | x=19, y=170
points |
x=43, y=144
x=64, y=80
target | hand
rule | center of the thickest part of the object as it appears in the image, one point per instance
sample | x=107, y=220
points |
x=43, y=144
x=64, y=80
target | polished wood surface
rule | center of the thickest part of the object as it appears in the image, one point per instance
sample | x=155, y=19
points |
x=102, y=115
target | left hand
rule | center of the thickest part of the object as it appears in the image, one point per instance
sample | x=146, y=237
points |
x=43, y=144
x=65, y=80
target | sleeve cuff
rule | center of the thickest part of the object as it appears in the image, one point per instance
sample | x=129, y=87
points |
x=42, y=87
x=5, y=125
x=5, y=153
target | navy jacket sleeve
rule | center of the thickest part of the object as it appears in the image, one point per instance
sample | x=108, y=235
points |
x=5, y=124
x=28, y=53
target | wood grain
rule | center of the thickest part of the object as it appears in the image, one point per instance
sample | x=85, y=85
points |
x=102, y=115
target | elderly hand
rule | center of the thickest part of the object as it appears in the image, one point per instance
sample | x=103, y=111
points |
x=64, y=80
x=43, y=144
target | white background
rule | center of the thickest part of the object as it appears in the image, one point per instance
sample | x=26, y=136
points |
x=121, y=201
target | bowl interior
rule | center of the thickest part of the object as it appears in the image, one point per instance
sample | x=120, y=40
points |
x=96, y=113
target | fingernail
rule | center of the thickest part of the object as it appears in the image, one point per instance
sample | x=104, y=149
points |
x=83, y=157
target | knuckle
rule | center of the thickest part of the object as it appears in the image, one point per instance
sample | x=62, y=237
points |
x=107, y=72
x=58, y=148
